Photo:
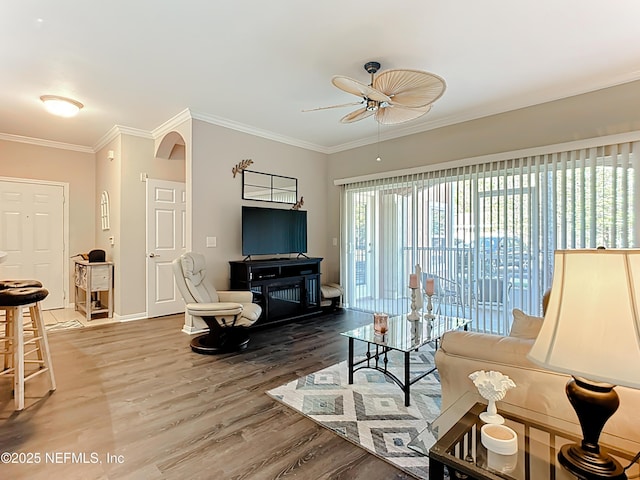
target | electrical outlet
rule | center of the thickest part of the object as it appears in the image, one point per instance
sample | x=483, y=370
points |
x=212, y=242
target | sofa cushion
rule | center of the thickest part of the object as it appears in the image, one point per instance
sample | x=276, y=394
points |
x=462, y=353
x=486, y=348
x=525, y=326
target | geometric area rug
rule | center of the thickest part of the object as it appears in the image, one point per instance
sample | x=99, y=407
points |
x=371, y=412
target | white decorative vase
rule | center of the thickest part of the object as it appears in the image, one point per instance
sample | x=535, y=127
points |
x=492, y=386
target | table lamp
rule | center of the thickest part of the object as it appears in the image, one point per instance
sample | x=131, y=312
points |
x=591, y=330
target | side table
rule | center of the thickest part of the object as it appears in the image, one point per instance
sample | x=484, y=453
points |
x=458, y=447
x=91, y=279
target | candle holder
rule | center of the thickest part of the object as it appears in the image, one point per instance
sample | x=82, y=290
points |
x=419, y=299
x=429, y=315
x=416, y=332
x=413, y=316
x=380, y=323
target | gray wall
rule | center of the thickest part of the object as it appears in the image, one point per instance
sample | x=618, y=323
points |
x=127, y=195
x=217, y=196
x=604, y=112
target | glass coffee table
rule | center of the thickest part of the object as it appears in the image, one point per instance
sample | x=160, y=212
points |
x=452, y=441
x=404, y=336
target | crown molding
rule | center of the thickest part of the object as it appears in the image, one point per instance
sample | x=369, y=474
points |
x=45, y=143
x=240, y=127
x=187, y=114
x=538, y=98
x=627, y=137
x=120, y=130
x=171, y=124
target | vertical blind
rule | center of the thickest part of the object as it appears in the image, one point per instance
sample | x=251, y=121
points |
x=486, y=232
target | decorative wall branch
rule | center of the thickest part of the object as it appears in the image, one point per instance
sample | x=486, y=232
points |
x=241, y=166
x=298, y=204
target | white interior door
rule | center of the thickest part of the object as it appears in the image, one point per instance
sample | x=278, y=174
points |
x=32, y=233
x=166, y=240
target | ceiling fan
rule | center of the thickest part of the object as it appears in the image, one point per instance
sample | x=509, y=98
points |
x=394, y=96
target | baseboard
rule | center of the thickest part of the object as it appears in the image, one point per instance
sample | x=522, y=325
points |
x=121, y=318
x=131, y=317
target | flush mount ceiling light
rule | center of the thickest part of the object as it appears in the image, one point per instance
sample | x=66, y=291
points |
x=61, y=106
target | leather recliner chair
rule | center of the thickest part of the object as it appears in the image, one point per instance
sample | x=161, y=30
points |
x=226, y=313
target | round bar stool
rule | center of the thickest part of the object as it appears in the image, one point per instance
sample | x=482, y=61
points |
x=19, y=284
x=24, y=283
x=22, y=341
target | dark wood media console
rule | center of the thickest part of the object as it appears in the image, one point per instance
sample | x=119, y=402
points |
x=286, y=288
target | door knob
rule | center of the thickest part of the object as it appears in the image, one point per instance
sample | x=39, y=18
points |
x=152, y=255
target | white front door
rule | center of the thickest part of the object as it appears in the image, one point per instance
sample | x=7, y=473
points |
x=166, y=240
x=32, y=233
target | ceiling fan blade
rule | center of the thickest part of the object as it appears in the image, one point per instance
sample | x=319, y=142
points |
x=410, y=88
x=355, y=87
x=395, y=114
x=356, y=115
x=334, y=106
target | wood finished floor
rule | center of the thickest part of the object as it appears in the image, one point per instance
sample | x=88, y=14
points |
x=136, y=392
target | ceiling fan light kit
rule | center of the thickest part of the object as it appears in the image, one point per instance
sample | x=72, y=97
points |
x=393, y=97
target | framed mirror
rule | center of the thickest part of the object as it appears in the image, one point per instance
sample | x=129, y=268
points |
x=266, y=187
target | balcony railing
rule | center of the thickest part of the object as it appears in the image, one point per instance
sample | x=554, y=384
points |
x=483, y=286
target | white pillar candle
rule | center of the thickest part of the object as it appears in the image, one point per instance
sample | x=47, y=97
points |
x=429, y=286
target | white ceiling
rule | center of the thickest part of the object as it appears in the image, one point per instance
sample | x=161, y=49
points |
x=256, y=64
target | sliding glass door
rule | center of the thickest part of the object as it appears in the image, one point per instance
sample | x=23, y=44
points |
x=486, y=233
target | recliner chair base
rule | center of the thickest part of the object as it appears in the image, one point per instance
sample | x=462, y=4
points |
x=220, y=339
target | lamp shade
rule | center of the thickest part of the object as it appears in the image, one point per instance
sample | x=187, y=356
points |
x=592, y=325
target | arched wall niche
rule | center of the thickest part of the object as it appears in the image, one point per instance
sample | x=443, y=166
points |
x=172, y=147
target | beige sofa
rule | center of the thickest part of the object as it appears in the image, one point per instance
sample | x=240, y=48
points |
x=462, y=353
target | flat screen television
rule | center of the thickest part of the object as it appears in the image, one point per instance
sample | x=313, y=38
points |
x=273, y=231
